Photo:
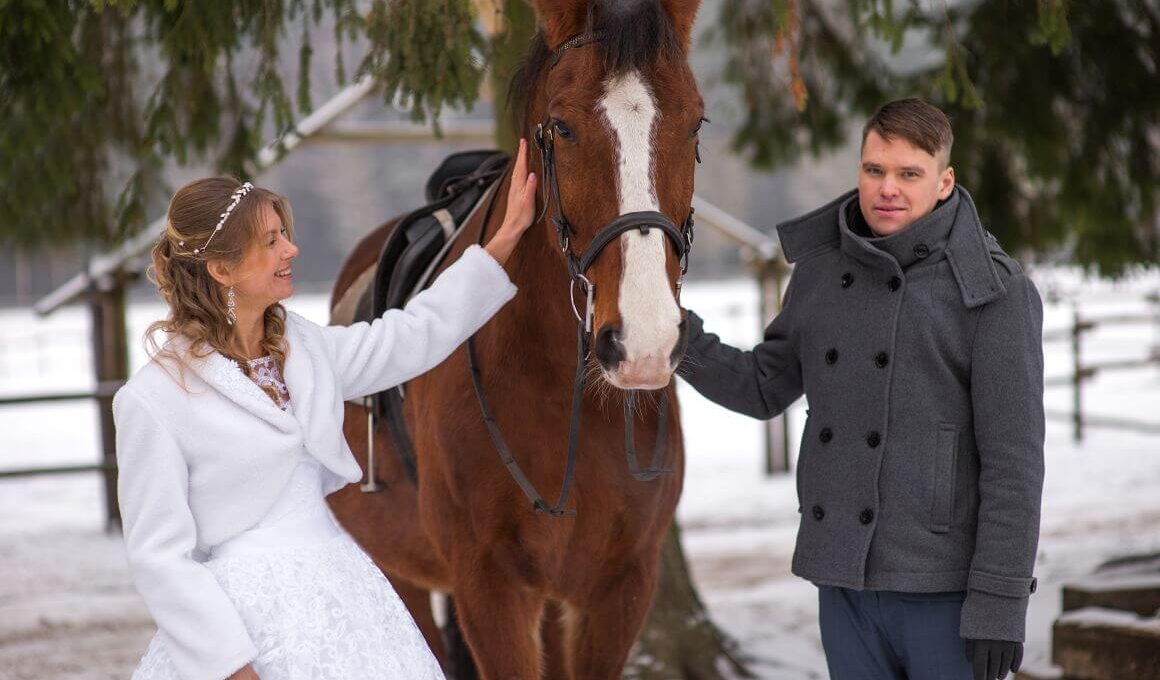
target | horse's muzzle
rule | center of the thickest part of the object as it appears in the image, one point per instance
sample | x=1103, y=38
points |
x=649, y=372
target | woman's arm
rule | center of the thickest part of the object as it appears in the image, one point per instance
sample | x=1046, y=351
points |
x=203, y=631
x=404, y=343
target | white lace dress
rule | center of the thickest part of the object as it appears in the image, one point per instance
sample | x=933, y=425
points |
x=314, y=604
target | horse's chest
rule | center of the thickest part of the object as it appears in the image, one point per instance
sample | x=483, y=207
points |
x=571, y=558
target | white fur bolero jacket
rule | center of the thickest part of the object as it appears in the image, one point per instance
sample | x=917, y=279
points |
x=202, y=463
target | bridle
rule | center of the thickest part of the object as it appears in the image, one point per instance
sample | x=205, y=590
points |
x=644, y=220
x=578, y=266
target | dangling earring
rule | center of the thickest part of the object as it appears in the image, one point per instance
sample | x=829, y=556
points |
x=231, y=307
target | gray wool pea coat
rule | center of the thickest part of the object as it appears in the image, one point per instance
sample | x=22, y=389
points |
x=921, y=358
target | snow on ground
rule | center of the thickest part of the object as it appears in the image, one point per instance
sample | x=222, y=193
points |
x=68, y=610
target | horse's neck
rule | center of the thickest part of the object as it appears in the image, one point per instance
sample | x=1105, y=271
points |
x=539, y=321
x=542, y=305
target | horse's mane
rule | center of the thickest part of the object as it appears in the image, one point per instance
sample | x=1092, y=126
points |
x=633, y=37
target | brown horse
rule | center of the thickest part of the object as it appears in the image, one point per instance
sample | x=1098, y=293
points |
x=621, y=110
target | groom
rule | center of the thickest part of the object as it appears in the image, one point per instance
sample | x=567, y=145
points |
x=917, y=342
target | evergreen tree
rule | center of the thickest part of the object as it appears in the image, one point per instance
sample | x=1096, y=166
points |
x=1054, y=105
x=1055, y=114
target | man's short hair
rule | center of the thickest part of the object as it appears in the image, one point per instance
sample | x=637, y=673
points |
x=917, y=122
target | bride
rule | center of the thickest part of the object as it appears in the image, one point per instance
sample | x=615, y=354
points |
x=230, y=438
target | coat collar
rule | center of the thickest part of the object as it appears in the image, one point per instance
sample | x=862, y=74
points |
x=952, y=230
x=969, y=252
x=925, y=241
x=224, y=376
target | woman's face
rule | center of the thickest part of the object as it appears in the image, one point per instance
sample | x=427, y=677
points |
x=264, y=276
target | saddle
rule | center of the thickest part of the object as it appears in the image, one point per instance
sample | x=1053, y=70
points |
x=412, y=253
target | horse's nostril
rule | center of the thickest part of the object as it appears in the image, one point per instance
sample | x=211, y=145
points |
x=609, y=349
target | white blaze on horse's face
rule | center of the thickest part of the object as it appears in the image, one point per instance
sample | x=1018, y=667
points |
x=648, y=309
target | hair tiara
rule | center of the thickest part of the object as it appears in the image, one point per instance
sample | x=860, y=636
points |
x=235, y=199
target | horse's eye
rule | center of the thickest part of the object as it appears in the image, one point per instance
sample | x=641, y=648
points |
x=562, y=129
x=697, y=129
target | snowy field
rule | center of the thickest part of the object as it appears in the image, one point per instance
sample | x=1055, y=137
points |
x=68, y=610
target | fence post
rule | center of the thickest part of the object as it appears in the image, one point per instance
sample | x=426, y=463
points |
x=111, y=363
x=1077, y=375
x=770, y=271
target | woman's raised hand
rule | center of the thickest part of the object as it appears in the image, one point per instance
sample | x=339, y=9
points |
x=521, y=208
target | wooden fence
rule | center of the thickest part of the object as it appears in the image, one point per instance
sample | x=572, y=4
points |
x=1082, y=371
x=110, y=351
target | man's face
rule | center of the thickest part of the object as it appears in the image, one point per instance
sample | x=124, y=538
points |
x=898, y=183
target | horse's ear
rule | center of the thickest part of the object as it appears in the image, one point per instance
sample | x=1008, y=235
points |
x=683, y=13
x=560, y=19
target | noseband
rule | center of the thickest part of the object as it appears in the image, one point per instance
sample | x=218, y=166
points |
x=578, y=266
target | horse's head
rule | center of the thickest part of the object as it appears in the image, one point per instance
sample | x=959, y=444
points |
x=608, y=95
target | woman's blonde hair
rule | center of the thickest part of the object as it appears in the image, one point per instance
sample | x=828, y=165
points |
x=197, y=302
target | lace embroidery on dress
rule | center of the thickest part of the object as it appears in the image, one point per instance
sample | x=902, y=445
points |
x=314, y=604
x=264, y=371
x=315, y=613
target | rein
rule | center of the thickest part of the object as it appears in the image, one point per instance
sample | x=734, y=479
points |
x=578, y=267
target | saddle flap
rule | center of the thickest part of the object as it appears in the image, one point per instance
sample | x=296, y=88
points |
x=409, y=257
x=421, y=235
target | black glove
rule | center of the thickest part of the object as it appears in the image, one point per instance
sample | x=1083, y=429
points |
x=991, y=659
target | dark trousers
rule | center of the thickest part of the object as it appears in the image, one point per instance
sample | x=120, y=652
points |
x=879, y=635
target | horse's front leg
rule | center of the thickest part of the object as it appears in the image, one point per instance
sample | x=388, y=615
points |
x=500, y=621
x=601, y=630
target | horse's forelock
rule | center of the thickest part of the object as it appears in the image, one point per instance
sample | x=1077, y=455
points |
x=634, y=36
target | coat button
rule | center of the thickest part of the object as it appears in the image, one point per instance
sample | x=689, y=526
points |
x=921, y=250
x=847, y=280
x=1034, y=581
x=867, y=516
x=819, y=512
x=895, y=283
x=826, y=435
x=832, y=356
x=874, y=439
x=881, y=359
